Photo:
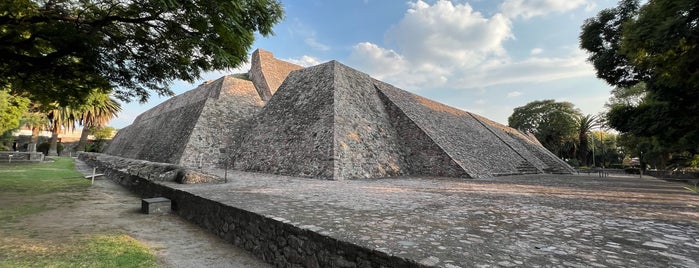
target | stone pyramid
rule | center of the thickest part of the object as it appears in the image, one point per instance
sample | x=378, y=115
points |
x=192, y=128
x=329, y=122
x=333, y=122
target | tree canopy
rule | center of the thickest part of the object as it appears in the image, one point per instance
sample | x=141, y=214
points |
x=553, y=123
x=60, y=50
x=11, y=110
x=653, y=47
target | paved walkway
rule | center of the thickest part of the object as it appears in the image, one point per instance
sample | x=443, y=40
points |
x=174, y=241
x=527, y=221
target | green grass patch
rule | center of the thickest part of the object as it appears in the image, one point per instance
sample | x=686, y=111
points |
x=30, y=188
x=692, y=188
x=96, y=251
x=13, y=213
x=41, y=178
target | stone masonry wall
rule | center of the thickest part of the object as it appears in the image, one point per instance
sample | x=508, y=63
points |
x=423, y=156
x=529, y=146
x=462, y=137
x=273, y=240
x=221, y=119
x=158, y=138
x=268, y=73
x=293, y=134
x=366, y=144
x=514, y=142
x=161, y=133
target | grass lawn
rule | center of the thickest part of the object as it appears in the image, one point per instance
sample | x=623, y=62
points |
x=30, y=188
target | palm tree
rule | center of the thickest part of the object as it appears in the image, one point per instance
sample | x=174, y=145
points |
x=36, y=121
x=95, y=113
x=585, y=124
x=60, y=118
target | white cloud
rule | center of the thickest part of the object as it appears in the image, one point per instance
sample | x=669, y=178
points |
x=531, y=8
x=528, y=70
x=378, y=61
x=448, y=33
x=451, y=46
x=308, y=34
x=311, y=41
x=514, y=94
x=305, y=61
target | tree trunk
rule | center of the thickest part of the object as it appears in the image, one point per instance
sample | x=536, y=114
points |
x=83, y=140
x=34, y=140
x=53, y=148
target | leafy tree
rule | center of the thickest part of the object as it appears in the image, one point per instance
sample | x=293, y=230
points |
x=607, y=150
x=60, y=50
x=553, y=123
x=11, y=110
x=602, y=37
x=103, y=133
x=656, y=43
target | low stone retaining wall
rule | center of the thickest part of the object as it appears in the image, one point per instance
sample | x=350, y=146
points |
x=7, y=156
x=273, y=240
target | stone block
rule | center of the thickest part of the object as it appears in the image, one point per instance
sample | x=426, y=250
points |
x=156, y=205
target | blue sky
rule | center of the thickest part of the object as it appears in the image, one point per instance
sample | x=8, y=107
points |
x=482, y=56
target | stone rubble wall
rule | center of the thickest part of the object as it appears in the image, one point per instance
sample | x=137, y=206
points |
x=158, y=138
x=513, y=141
x=221, y=119
x=477, y=150
x=293, y=133
x=191, y=129
x=422, y=154
x=273, y=240
x=366, y=144
x=145, y=170
x=268, y=73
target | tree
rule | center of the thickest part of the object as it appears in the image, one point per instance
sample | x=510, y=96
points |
x=602, y=37
x=11, y=110
x=36, y=121
x=62, y=50
x=656, y=44
x=60, y=119
x=103, y=133
x=585, y=124
x=553, y=123
x=95, y=113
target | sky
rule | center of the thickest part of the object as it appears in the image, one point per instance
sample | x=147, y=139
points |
x=482, y=56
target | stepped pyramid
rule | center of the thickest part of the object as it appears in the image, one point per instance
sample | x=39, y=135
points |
x=333, y=122
x=328, y=122
x=192, y=128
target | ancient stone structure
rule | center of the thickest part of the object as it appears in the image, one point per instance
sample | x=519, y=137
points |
x=268, y=73
x=330, y=122
x=192, y=128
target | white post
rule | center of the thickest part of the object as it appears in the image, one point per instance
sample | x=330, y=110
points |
x=94, y=170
